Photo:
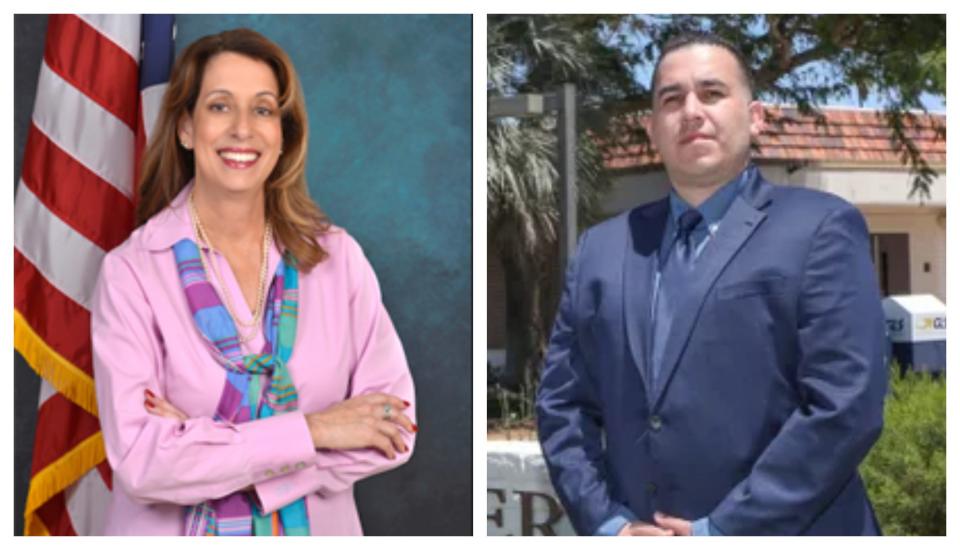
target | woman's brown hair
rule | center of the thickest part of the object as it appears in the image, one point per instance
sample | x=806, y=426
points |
x=168, y=167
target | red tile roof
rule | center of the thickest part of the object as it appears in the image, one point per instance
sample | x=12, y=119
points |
x=847, y=135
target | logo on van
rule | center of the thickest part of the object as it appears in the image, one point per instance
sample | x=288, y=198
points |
x=895, y=325
x=932, y=323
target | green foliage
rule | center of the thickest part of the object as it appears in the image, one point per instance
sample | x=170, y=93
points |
x=906, y=472
x=509, y=409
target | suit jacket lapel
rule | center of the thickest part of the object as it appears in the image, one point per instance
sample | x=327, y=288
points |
x=646, y=230
x=739, y=223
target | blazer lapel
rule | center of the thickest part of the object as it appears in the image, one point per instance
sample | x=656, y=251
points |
x=739, y=223
x=646, y=230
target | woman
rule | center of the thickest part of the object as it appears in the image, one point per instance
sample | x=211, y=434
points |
x=247, y=372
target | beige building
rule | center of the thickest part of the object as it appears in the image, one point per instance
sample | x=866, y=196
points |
x=849, y=154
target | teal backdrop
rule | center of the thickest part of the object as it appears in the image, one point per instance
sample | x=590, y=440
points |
x=389, y=103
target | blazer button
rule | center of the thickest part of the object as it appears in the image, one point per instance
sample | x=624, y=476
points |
x=651, y=488
x=655, y=423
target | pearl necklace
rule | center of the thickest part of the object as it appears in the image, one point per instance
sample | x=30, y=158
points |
x=201, y=235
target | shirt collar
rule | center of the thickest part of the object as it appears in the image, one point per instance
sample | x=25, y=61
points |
x=714, y=208
x=172, y=224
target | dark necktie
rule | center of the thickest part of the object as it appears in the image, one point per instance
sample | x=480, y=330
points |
x=675, y=274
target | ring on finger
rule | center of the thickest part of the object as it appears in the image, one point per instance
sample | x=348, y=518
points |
x=387, y=409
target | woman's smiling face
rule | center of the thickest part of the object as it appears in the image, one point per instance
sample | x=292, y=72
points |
x=234, y=129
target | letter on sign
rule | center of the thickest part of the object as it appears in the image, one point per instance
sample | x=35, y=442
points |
x=526, y=514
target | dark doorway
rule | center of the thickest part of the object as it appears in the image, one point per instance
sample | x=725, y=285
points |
x=891, y=259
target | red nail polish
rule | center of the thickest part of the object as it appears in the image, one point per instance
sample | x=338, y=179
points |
x=148, y=392
x=406, y=403
x=415, y=428
x=147, y=404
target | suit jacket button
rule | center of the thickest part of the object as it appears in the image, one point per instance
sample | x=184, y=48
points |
x=655, y=423
x=651, y=488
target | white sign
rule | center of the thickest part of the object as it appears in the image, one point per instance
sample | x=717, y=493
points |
x=520, y=497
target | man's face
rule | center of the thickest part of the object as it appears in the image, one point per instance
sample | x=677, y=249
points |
x=703, y=116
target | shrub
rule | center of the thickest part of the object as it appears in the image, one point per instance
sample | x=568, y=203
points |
x=906, y=471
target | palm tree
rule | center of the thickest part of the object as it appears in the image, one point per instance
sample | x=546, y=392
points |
x=534, y=54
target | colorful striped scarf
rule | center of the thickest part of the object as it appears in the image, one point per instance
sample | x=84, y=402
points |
x=244, y=398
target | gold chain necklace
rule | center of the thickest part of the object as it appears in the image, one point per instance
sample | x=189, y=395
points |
x=201, y=235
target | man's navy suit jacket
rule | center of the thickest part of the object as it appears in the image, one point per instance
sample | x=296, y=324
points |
x=771, y=389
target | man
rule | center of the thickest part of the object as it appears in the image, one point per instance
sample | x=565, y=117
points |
x=717, y=362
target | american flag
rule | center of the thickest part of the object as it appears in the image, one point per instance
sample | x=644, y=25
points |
x=100, y=87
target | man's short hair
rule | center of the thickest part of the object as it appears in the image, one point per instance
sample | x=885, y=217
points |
x=686, y=39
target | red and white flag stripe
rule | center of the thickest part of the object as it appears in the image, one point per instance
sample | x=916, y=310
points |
x=74, y=203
